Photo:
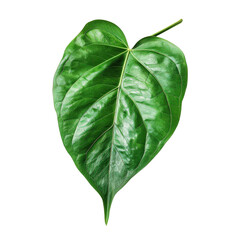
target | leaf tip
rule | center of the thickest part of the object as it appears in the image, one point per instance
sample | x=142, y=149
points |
x=106, y=219
x=107, y=205
x=106, y=212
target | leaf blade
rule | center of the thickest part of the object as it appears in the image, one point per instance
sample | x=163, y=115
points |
x=116, y=106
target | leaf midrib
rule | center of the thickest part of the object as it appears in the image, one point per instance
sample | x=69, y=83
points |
x=113, y=130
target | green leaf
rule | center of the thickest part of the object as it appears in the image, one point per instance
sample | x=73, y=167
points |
x=116, y=106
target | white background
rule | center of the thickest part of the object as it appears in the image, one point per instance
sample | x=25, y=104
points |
x=190, y=191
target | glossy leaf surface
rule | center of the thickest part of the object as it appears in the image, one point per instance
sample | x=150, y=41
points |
x=117, y=106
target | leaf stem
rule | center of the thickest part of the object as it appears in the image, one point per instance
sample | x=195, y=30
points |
x=167, y=28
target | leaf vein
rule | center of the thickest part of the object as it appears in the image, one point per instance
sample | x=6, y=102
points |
x=102, y=63
x=91, y=106
x=169, y=59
